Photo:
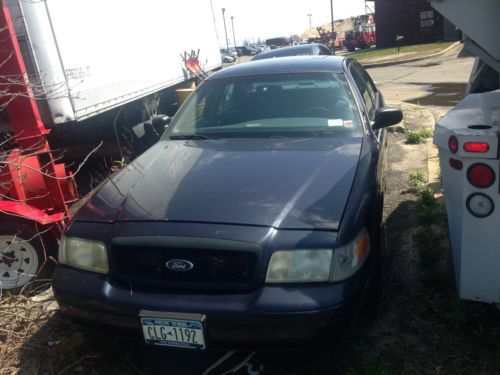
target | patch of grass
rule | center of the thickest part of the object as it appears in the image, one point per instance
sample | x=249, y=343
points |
x=414, y=137
x=417, y=181
x=429, y=215
x=376, y=367
x=432, y=301
x=373, y=367
x=451, y=312
x=429, y=210
x=487, y=335
x=432, y=276
x=389, y=363
x=408, y=51
x=429, y=246
x=427, y=197
x=455, y=316
x=427, y=132
x=427, y=238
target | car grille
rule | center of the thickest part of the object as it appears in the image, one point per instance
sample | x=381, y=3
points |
x=212, y=269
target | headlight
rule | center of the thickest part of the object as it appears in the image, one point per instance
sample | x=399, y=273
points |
x=87, y=255
x=299, y=266
x=347, y=260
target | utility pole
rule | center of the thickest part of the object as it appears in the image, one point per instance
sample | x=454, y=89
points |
x=232, y=24
x=225, y=30
x=333, y=27
x=309, y=15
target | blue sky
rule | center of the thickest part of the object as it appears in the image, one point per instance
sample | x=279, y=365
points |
x=272, y=18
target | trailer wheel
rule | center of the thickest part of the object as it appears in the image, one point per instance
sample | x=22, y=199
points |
x=25, y=248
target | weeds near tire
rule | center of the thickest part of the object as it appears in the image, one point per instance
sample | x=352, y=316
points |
x=418, y=136
x=428, y=238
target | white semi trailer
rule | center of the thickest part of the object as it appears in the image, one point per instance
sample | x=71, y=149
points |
x=93, y=55
x=468, y=142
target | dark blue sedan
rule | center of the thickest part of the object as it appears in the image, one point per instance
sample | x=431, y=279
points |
x=254, y=221
x=298, y=50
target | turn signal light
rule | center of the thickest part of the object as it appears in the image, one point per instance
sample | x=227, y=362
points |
x=481, y=175
x=453, y=144
x=481, y=147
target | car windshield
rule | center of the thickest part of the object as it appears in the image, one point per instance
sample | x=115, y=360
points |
x=286, y=105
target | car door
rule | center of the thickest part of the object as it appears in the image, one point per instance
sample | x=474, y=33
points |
x=373, y=100
x=371, y=95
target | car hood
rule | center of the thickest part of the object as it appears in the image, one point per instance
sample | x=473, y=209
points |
x=281, y=183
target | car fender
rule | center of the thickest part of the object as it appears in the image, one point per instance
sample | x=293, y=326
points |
x=363, y=204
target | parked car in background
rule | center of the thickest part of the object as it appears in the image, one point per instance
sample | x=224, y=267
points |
x=298, y=50
x=226, y=58
x=255, y=220
x=232, y=52
x=246, y=51
x=259, y=48
x=274, y=43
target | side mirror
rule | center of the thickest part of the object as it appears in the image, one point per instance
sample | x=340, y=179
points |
x=386, y=116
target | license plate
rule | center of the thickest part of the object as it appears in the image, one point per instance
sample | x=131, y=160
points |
x=177, y=330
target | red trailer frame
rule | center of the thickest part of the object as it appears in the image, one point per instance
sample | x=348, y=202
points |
x=33, y=185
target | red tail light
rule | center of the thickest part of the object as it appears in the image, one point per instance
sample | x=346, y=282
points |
x=481, y=175
x=456, y=164
x=453, y=144
x=481, y=147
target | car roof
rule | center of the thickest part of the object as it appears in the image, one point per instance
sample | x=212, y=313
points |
x=289, y=51
x=291, y=64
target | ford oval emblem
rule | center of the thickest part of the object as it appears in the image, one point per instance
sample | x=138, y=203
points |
x=179, y=265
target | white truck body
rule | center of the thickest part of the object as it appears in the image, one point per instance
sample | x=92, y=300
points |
x=474, y=227
x=475, y=241
x=94, y=55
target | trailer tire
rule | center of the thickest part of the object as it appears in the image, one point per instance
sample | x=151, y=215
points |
x=26, y=249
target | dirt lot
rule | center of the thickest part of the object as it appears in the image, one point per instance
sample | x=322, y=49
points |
x=421, y=327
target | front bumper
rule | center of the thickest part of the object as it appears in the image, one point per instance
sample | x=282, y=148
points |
x=289, y=315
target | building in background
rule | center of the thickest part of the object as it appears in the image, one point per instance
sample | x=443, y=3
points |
x=415, y=20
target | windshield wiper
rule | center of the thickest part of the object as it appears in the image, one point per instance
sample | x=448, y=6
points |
x=191, y=136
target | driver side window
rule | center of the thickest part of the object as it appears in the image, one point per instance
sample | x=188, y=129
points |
x=365, y=87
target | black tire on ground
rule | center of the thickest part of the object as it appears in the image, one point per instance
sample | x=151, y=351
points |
x=372, y=303
x=25, y=248
x=374, y=293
